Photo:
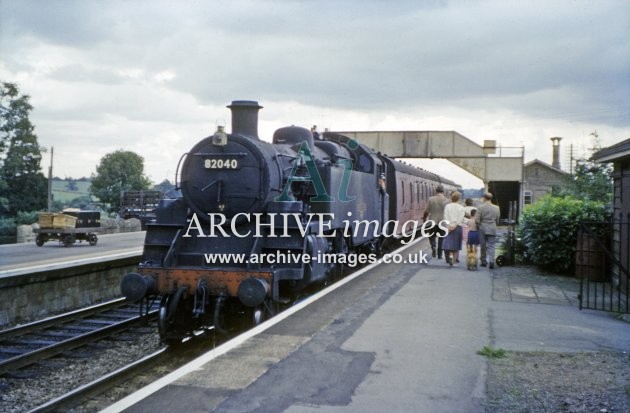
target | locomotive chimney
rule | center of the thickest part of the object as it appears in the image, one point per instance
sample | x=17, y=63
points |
x=245, y=117
x=556, y=152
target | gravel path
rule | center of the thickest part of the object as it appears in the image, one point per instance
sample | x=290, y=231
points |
x=547, y=381
x=559, y=382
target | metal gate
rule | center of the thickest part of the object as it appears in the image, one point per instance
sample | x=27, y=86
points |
x=602, y=260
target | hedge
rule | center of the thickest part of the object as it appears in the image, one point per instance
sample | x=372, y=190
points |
x=548, y=230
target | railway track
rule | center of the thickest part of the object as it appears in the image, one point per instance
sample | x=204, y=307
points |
x=96, y=391
x=27, y=357
x=102, y=384
x=25, y=345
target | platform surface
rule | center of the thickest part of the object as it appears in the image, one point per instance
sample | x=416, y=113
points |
x=21, y=257
x=401, y=338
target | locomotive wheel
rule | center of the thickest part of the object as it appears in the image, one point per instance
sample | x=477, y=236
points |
x=218, y=318
x=163, y=324
x=258, y=316
x=163, y=315
x=170, y=332
x=92, y=239
x=229, y=315
x=40, y=240
x=263, y=312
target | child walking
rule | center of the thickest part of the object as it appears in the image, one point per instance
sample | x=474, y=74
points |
x=472, y=242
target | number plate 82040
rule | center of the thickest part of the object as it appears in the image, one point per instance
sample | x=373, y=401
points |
x=214, y=163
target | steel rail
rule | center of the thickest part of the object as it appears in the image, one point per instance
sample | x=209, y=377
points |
x=32, y=357
x=74, y=398
x=101, y=384
x=61, y=318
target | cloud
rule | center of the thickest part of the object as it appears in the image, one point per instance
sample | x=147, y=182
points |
x=351, y=55
x=140, y=73
x=501, y=55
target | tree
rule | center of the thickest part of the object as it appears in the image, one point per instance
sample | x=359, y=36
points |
x=118, y=171
x=164, y=186
x=591, y=181
x=22, y=187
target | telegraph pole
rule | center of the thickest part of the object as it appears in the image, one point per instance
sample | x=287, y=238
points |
x=50, y=168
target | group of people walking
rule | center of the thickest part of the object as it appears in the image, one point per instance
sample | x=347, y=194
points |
x=481, y=224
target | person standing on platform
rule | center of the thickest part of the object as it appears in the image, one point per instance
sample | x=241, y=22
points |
x=454, y=214
x=472, y=242
x=435, y=210
x=468, y=208
x=487, y=219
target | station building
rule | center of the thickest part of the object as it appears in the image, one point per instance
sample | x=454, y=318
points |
x=540, y=178
x=619, y=156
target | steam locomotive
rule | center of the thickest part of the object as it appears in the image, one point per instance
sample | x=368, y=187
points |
x=260, y=224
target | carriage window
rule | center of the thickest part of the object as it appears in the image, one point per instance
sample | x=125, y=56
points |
x=411, y=192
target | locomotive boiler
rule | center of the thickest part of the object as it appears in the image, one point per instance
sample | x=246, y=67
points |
x=260, y=224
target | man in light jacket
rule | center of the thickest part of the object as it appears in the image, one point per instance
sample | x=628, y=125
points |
x=435, y=210
x=487, y=219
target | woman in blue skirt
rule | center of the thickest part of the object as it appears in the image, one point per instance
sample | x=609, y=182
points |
x=454, y=214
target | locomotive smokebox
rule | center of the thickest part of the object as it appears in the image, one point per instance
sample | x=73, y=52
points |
x=245, y=117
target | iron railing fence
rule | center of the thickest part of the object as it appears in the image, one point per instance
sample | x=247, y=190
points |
x=602, y=264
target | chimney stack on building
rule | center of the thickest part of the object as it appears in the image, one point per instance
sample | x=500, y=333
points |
x=556, y=152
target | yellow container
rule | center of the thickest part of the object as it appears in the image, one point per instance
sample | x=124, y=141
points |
x=64, y=221
x=46, y=220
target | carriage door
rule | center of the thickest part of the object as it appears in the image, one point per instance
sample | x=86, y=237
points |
x=382, y=189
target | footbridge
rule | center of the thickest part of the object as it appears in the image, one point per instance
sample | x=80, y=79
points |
x=501, y=173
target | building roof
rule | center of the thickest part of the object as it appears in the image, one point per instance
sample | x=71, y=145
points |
x=613, y=153
x=546, y=165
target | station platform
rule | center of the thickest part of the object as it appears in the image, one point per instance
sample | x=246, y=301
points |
x=18, y=259
x=394, y=338
x=39, y=281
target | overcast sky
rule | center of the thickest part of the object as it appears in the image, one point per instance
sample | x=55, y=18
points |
x=154, y=77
